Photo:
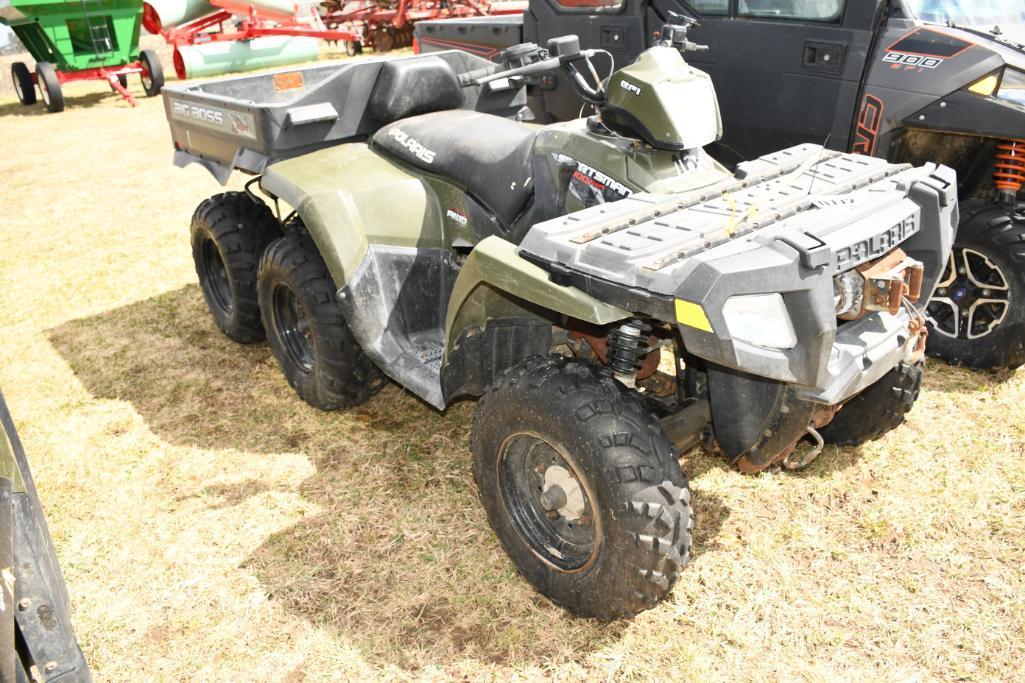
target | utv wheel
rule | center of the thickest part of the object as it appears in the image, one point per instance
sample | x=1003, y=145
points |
x=49, y=87
x=878, y=409
x=152, y=74
x=307, y=330
x=977, y=313
x=229, y=234
x=582, y=488
x=23, y=85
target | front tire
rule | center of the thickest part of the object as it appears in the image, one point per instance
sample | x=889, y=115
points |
x=23, y=85
x=877, y=410
x=50, y=87
x=229, y=234
x=581, y=487
x=977, y=313
x=307, y=330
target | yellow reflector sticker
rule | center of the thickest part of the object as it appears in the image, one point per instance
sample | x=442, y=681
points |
x=692, y=315
x=986, y=87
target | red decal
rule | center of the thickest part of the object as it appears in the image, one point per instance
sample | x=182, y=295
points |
x=867, y=132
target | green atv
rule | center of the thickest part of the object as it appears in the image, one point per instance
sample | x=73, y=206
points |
x=613, y=294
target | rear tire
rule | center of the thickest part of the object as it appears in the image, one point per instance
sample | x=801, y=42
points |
x=229, y=234
x=612, y=539
x=307, y=330
x=49, y=87
x=964, y=329
x=152, y=75
x=877, y=410
x=23, y=85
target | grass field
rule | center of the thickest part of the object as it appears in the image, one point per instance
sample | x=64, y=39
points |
x=211, y=526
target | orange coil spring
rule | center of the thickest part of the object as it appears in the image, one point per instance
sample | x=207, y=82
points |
x=1009, y=175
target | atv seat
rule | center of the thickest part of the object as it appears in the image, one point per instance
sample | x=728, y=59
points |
x=486, y=154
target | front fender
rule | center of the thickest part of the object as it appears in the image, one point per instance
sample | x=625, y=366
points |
x=350, y=197
x=495, y=282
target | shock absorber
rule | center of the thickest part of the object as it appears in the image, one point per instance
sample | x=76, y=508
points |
x=627, y=348
x=1009, y=174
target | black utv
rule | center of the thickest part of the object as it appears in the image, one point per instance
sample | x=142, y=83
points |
x=906, y=80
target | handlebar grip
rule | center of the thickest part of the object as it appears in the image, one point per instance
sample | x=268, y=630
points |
x=468, y=78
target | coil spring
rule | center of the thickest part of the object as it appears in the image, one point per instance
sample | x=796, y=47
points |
x=628, y=346
x=1009, y=175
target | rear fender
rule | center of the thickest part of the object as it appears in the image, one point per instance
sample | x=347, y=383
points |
x=348, y=198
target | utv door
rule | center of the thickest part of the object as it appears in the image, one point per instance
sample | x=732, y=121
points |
x=613, y=25
x=785, y=71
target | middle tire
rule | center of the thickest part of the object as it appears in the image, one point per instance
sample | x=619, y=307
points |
x=307, y=330
x=581, y=487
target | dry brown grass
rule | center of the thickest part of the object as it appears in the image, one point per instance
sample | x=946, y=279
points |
x=213, y=527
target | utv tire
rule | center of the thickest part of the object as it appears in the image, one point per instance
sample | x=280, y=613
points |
x=990, y=249
x=613, y=541
x=878, y=409
x=23, y=85
x=49, y=87
x=229, y=234
x=307, y=330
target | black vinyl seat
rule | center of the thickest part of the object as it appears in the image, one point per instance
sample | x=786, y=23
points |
x=486, y=154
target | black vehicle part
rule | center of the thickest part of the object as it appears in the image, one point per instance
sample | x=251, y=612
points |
x=977, y=313
x=229, y=233
x=23, y=85
x=307, y=330
x=122, y=80
x=877, y=410
x=755, y=420
x=487, y=154
x=35, y=613
x=152, y=75
x=581, y=487
x=49, y=87
x=408, y=88
x=480, y=355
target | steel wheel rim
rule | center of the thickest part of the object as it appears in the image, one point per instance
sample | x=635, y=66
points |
x=292, y=328
x=44, y=94
x=972, y=299
x=144, y=75
x=217, y=284
x=566, y=538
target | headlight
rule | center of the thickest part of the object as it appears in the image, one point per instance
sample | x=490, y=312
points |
x=1010, y=86
x=760, y=319
x=848, y=292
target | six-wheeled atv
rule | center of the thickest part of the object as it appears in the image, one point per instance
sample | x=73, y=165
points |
x=909, y=81
x=461, y=253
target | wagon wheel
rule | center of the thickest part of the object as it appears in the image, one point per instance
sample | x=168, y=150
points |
x=49, y=87
x=23, y=85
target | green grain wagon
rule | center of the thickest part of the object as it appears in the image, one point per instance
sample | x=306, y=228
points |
x=77, y=40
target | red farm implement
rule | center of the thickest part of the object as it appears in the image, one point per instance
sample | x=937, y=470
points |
x=386, y=25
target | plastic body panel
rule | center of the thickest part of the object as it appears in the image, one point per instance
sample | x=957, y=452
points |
x=248, y=122
x=796, y=219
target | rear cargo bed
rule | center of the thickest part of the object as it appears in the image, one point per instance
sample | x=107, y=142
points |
x=248, y=122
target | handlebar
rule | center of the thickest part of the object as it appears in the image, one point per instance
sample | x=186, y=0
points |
x=539, y=67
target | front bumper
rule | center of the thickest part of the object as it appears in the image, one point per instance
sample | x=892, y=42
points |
x=766, y=233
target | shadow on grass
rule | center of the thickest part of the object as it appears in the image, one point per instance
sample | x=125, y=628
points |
x=395, y=555
x=939, y=376
x=16, y=108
